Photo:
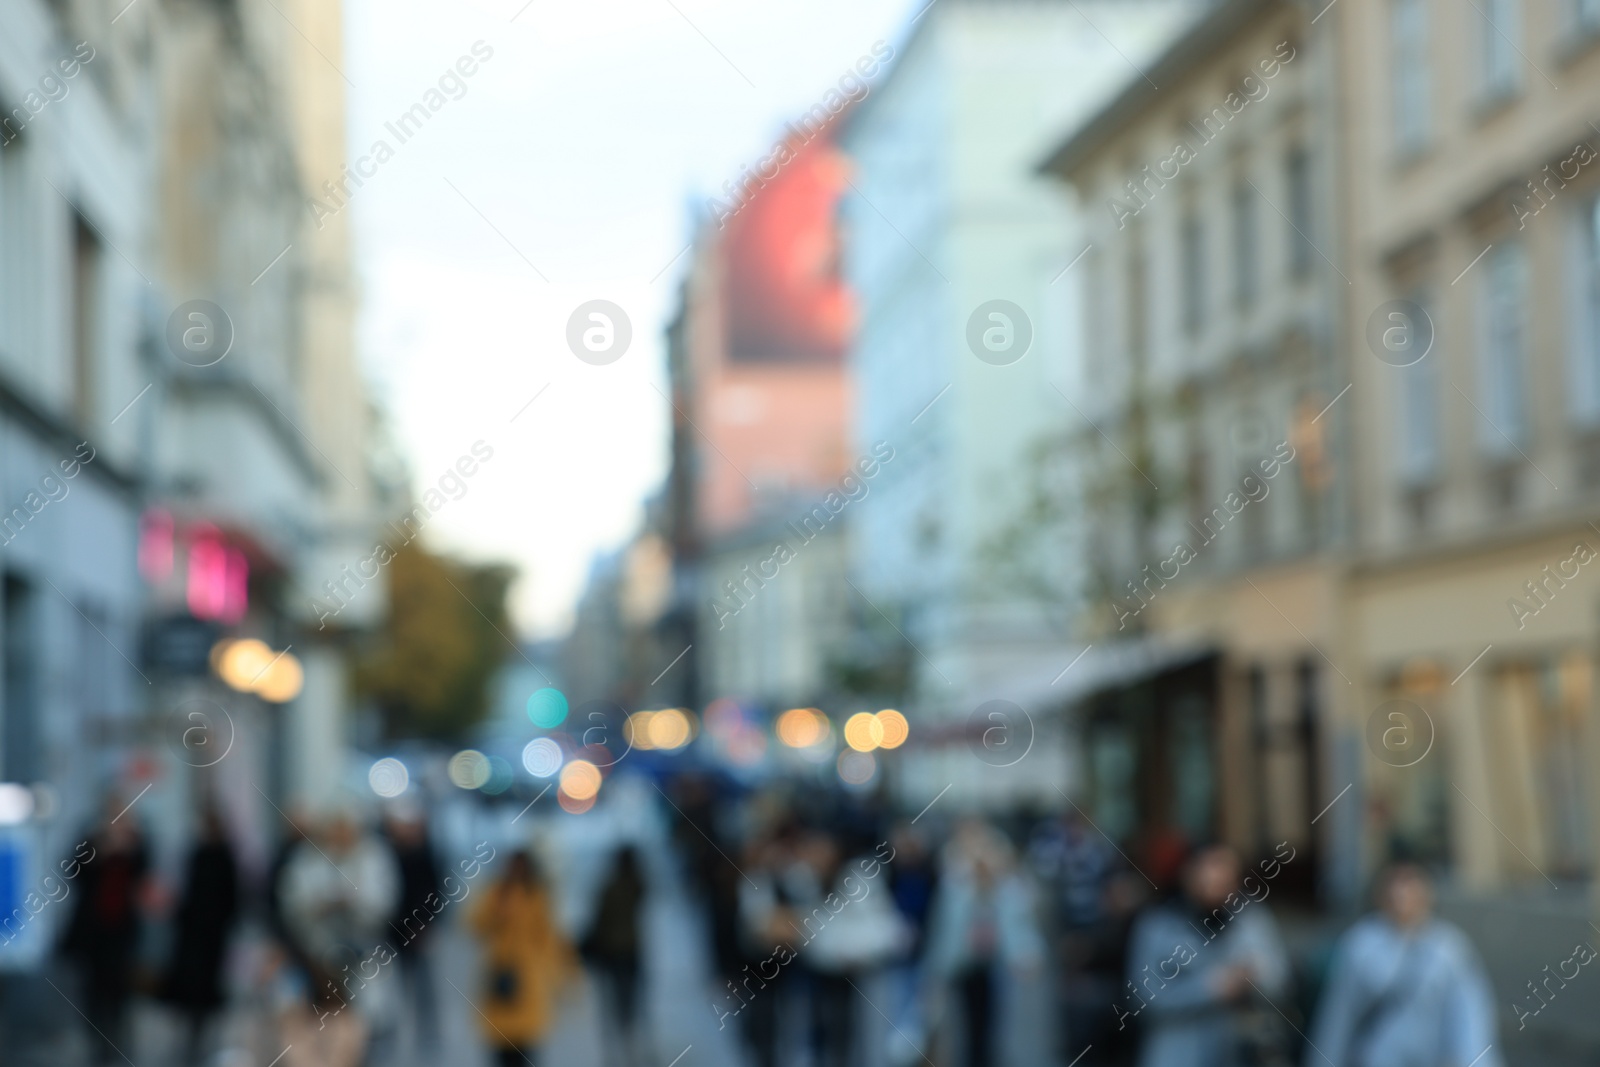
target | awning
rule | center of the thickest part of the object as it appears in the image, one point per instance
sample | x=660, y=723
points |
x=1083, y=671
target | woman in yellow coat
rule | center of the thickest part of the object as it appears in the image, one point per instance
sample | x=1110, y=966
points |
x=527, y=961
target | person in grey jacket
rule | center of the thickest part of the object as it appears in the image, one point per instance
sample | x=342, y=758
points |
x=1201, y=965
x=1405, y=989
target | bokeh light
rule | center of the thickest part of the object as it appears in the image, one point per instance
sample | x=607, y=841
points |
x=541, y=757
x=282, y=681
x=863, y=732
x=239, y=663
x=637, y=730
x=16, y=803
x=746, y=747
x=250, y=666
x=469, y=769
x=572, y=805
x=895, y=728
x=857, y=768
x=668, y=729
x=388, y=777
x=580, y=780
x=499, y=778
x=547, y=708
x=802, y=727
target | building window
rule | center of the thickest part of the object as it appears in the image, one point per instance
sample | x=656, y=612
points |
x=1502, y=337
x=1096, y=326
x=1537, y=719
x=1418, y=411
x=85, y=318
x=1500, y=28
x=1408, y=32
x=1298, y=174
x=1193, y=265
x=1137, y=294
x=20, y=757
x=1584, y=347
x=1246, y=269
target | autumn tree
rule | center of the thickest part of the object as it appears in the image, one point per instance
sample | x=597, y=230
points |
x=444, y=638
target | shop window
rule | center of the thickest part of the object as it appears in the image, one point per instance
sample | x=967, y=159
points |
x=20, y=756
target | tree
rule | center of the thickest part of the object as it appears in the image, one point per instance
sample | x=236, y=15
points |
x=440, y=646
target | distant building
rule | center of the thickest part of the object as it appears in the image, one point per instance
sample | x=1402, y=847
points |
x=945, y=217
x=761, y=432
x=631, y=625
x=264, y=449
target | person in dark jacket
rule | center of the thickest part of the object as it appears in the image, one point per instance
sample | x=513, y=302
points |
x=210, y=904
x=103, y=933
x=407, y=831
x=612, y=947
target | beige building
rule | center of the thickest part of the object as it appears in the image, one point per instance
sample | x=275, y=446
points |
x=1472, y=175
x=1404, y=626
x=1472, y=196
x=1203, y=454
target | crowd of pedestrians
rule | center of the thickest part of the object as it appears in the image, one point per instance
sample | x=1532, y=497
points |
x=814, y=910
x=837, y=934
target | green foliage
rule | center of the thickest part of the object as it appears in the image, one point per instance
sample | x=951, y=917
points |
x=444, y=639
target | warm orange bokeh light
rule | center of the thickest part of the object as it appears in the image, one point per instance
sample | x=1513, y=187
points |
x=895, y=728
x=668, y=729
x=638, y=730
x=863, y=732
x=282, y=681
x=802, y=727
x=580, y=780
x=242, y=661
x=572, y=805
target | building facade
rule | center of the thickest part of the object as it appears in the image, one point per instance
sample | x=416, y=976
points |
x=1473, y=324
x=961, y=256
x=1205, y=442
x=186, y=431
x=764, y=395
x=74, y=212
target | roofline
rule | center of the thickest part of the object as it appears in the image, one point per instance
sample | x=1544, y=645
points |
x=907, y=35
x=903, y=40
x=1198, y=44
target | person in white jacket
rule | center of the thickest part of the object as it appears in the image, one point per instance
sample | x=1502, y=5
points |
x=1405, y=989
x=1201, y=966
x=982, y=933
x=339, y=892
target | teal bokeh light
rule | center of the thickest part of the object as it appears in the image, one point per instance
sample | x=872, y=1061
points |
x=547, y=708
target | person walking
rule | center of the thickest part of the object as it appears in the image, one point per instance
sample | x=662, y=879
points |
x=193, y=981
x=913, y=883
x=102, y=935
x=527, y=961
x=407, y=831
x=981, y=931
x=1076, y=865
x=1405, y=988
x=612, y=948
x=1200, y=967
x=338, y=898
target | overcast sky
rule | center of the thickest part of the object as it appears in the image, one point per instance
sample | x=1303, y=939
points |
x=575, y=153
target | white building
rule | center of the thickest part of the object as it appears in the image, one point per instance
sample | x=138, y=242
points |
x=170, y=472
x=947, y=214
x=73, y=210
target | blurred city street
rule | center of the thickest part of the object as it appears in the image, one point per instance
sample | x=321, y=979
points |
x=800, y=533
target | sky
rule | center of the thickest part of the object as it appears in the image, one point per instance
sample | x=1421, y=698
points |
x=566, y=171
